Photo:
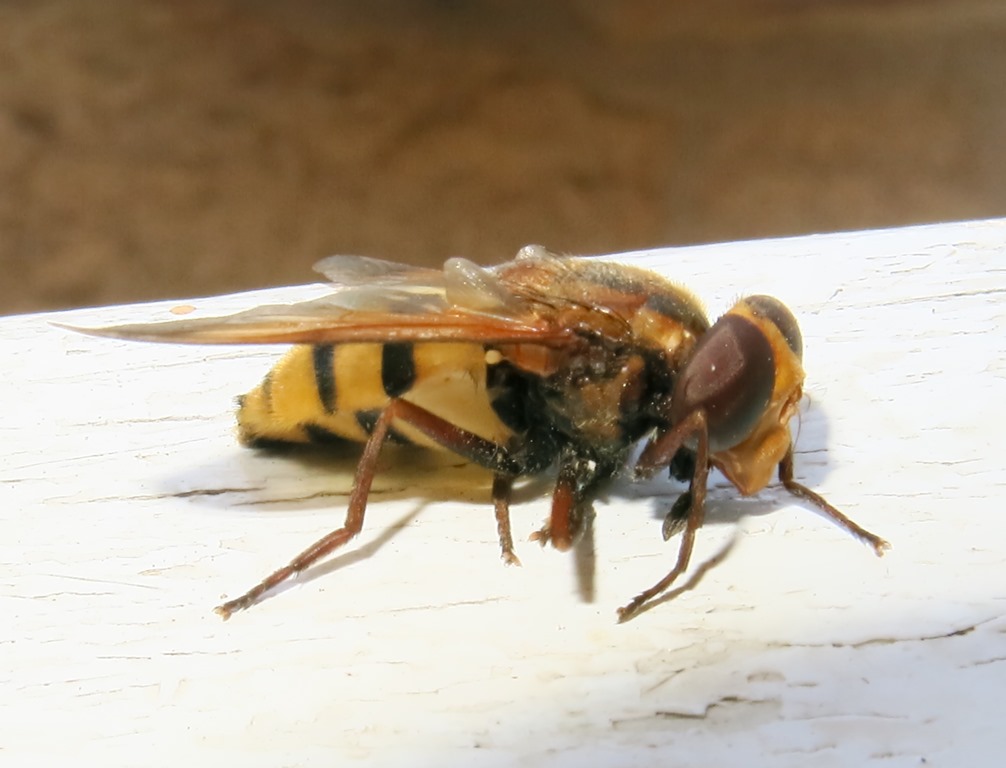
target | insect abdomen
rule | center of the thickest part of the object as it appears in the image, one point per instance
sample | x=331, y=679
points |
x=323, y=393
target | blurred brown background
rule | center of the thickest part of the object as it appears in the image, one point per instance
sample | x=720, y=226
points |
x=167, y=148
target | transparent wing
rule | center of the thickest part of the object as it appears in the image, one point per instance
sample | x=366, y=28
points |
x=386, y=286
x=352, y=271
x=374, y=301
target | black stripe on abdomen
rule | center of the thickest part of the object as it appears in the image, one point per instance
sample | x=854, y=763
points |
x=398, y=368
x=323, y=356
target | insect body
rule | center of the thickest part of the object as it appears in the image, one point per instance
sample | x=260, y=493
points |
x=540, y=361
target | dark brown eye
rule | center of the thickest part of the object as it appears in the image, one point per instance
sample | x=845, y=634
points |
x=776, y=312
x=730, y=376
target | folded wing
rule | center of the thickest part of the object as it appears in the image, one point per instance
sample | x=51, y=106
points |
x=374, y=301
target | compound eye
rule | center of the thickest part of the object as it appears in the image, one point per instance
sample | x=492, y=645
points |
x=779, y=315
x=730, y=376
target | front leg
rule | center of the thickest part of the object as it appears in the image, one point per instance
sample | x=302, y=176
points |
x=803, y=492
x=660, y=453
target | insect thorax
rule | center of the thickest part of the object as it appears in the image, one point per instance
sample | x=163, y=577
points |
x=595, y=402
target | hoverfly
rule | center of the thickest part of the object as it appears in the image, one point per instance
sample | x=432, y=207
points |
x=540, y=361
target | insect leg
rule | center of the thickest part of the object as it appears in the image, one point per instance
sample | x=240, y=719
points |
x=563, y=522
x=677, y=518
x=803, y=492
x=502, y=488
x=462, y=442
x=659, y=453
x=682, y=467
x=579, y=475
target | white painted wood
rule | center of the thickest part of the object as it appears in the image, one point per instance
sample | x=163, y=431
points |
x=128, y=511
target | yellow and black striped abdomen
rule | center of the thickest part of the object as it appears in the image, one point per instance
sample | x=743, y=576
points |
x=324, y=392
